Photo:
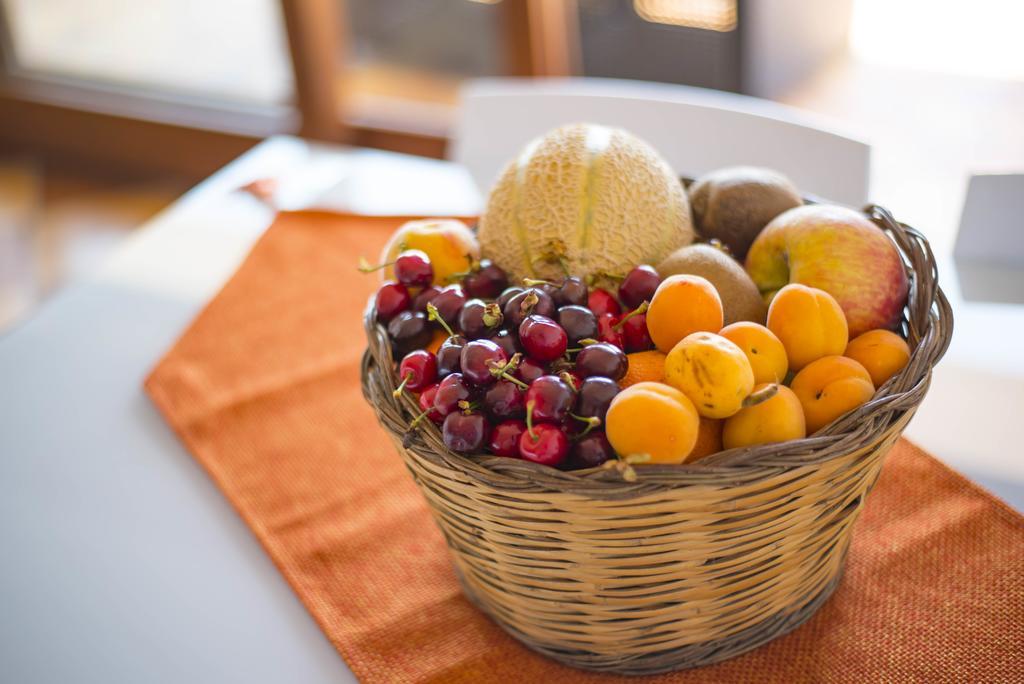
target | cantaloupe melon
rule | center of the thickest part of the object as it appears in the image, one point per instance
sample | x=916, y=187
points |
x=588, y=199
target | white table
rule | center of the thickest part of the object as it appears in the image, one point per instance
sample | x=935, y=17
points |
x=122, y=562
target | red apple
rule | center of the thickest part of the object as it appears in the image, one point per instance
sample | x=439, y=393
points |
x=837, y=250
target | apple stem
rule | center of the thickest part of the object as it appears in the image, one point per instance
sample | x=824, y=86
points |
x=761, y=395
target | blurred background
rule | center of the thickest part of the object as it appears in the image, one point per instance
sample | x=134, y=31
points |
x=111, y=109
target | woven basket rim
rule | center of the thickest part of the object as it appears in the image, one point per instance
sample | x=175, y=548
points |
x=927, y=325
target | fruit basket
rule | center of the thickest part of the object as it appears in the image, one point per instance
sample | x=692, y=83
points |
x=683, y=565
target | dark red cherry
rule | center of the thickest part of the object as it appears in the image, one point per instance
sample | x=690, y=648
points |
x=418, y=370
x=603, y=302
x=479, y=319
x=449, y=356
x=505, y=399
x=426, y=402
x=639, y=286
x=579, y=323
x=449, y=302
x=465, y=431
x=549, y=399
x=450, y=392
x=409, y=330
x=529, y=370
x=478, y=358
x=594, y=396
x=413, y=268
x=544, y=443
x=635, y=336
x=602, y=359
x=486, y=282
x=590, y=451
x=507, y=341
x=426, y=295
x=519, y=307
x=572, y=291
x=606, y=331
x=542, y=338
x=507, y=294
x=505, y=436
x=392, y=299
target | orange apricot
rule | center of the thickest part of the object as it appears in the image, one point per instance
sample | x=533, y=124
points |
x=654, y=419
x=645, y=366
x=765, y=352
x=709, y=439
x=809, y=322
x=778, y=419
x=712, y=371
x=829, y=387
x=682, y=305
x=883, y=354
x=436, y=341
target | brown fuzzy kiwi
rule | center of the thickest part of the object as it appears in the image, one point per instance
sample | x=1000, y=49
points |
x=741, y=300
x=732, y=205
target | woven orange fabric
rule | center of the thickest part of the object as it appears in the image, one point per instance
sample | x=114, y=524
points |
x=264, y=390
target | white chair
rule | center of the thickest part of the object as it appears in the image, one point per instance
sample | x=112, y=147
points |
x=696, y=130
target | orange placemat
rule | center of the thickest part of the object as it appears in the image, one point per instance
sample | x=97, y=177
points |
x=264, y=390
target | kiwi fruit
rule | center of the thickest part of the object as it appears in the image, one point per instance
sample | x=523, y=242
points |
x=732, y=205
x=741, y=300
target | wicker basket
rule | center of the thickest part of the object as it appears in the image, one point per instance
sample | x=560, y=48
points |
x=689, y=564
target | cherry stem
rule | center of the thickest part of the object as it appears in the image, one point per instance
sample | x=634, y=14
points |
x=761, y=395
x=434, y=315
x=642, y=309
x=398, y=390
x=468, y=406
x=591, y=421
x=417, y=419
x=570, y=380
x=499, y=371
x=529, y=301
x=366, y=267
x=529, y=420
x=492, y=316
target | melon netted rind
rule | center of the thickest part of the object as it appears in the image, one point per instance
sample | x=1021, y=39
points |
x=586, y=199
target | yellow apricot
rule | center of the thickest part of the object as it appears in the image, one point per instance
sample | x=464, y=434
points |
x=712, y=371
x=765, y=352
x=809, y=323
x=682, y=305
x=654, y=419
x=778, y=419
x=829, y=387
x=882, y=353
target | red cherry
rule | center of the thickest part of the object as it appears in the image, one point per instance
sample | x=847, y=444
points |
x=425, y=296
x=545, y=443
x=487, y=281
x=477, y=360
x=417, y=370
x=606, y=331
x=392, y=299
x=413, y=269
x=505, y=399
x=426, y=402
x=542, y=338
x=450, y=392
x=449, y=302
x=529, y=370
x=549, y=398
x=602, y=359
x=603, y=302
x=591, y=451
x=505, y=436
x=639, y=286
x=635, y=335
x=465, y=431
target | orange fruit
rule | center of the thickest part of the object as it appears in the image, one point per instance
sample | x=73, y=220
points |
x=764, y=350
x=682, y=305
x=882, y=353
x=809, y=323
x=645, y=366
x=778, y=419
x=436, y=341
x=654, y=419
x=712, y=371
x=709, y=439
x=829, y=387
